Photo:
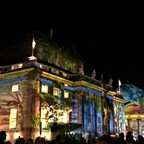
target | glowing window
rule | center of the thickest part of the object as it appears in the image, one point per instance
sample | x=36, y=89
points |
x=43, y=117
x=17, y=66
x=44, y=88
x=64, y=74
x=99, y=123
x=41, y=66
x=15, y=88
x=12, y=119
x=66, y=94
x=63, y=116
x=56, y=91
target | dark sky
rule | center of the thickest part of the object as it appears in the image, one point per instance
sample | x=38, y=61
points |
x=108, y=35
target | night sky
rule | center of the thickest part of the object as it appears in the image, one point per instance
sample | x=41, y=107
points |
x=108, y=35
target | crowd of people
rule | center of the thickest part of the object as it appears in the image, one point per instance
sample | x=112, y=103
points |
x=104, y=139
x=121, y=139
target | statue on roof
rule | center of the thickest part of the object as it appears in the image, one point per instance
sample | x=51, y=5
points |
x=93, y=75
x=101, y=77
x=110, y=81
x=81, y=69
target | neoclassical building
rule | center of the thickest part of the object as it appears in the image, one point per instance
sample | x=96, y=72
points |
x=46, y=92
x=134, y=115
x=134, y=110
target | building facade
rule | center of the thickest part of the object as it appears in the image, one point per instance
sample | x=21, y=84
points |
x=134, y=118
x=134, y=109
x=51, y=94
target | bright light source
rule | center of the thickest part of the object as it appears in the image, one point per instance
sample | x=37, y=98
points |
x=16, y=135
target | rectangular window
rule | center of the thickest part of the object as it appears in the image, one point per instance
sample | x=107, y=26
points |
x=64, y=74
x=99, y=124
x=56, y=91
x=41, y=66
x=55, y=71
x=44, y=88
x=15, y=88
x=43, y=118
x=44, y=67
x=63, y=116
x=12, y=119
x=66, y=94
x=16, y=66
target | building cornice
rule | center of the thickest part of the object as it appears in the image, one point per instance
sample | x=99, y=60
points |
x=119, y=99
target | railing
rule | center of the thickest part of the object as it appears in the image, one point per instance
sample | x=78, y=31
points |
x=55, y=71
x=24, y=65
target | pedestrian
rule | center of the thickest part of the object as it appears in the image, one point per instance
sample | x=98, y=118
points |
x=105, y=139
x=121, y=139
x=2, y=137
x=129, y=138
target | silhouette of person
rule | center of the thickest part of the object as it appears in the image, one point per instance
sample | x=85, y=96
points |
x=2, y=137
x=140, y=139
x=129, y=138
x=57, y=140
x=121, y=139
x=105, y=139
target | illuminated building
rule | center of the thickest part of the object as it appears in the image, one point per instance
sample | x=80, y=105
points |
x=134, y=118
x=134, y=109
x=50, y=94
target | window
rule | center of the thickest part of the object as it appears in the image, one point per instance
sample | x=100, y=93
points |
x=66, y=94
x=99, y=124
x=12, y=119
x=63, y=116
x=56, y=91
x=41, y=66
x=55, y=71
x=64, y=74
x=17, y=66
x=15, y=88
x=44, y=88
x=43, y=117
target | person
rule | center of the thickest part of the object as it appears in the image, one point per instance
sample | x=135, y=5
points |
x=121, y=139
x=129, y=138
x=8, y=142
x=30, y=141
x=57, y=140
x=40, y=140
x=20, y=141
x=2, y=137
x=140, y=139
x=105, y=139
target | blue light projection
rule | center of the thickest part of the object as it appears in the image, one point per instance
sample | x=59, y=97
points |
x=132, y=93
x=11, y=80
x=89, y=90
x=46, y=81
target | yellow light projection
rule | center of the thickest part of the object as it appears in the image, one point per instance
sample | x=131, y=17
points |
x=44, y=88
x=12, y=119
x=66, y=94
x=48, y=114
x=15, y=88
x=43, y=117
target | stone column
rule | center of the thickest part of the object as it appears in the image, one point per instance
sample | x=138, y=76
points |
x=139, y=126
x=129, y=124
